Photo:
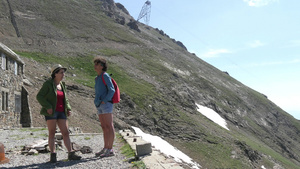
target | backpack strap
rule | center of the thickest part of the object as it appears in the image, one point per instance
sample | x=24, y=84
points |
x=105, y=84
x=103, y=79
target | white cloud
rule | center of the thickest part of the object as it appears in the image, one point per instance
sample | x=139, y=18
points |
x=255, y=44
x=215, y=53
x=259, y=3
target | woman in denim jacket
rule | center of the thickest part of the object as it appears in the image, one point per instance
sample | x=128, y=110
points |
x=103, y=97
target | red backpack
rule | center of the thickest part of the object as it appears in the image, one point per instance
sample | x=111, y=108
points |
x=116, y=96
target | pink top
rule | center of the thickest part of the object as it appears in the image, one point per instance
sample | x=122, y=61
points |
x=60, y=101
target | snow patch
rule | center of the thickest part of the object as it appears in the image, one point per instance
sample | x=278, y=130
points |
x=212, y=115
x=166, y=148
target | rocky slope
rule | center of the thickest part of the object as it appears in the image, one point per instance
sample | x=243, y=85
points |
x=160, y=82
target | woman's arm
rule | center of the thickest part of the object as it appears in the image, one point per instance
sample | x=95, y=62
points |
x=110, y=88
x=41, y=96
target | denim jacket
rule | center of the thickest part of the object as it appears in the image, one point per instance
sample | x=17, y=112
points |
x=103, y=93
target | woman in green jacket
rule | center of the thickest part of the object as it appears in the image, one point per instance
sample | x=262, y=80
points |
x=56, y=108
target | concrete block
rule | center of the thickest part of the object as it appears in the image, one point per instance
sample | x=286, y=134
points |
x=143, y=149
x=126, y=134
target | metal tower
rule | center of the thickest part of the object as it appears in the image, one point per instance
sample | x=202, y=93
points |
x=145, y=12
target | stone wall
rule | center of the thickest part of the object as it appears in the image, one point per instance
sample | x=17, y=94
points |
x=11, y=83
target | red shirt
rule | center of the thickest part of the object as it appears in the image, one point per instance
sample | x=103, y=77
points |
x=60, y=101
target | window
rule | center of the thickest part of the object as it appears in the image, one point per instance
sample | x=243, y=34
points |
x=7, y=63
x=20, y=69
x=16, y=67
x=4, y=101
x=3, y=65
x=1, y=100
x=6, y=104
x=17, y=103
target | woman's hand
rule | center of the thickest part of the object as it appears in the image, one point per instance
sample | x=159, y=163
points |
x=69, y=113
x=49, y=111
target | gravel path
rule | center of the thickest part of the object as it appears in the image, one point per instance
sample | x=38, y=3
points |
x=15, y=139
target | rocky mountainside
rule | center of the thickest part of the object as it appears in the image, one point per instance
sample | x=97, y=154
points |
x=160, y=83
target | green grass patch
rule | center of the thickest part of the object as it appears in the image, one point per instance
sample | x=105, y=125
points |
x=120, y=35
x=20, y=138
x=127, y=151
x=110, y=52
x=17, y=137
x=138, y=90
x=130, y=154
x=33, y=129
x=82, y=67
x=213, y=155
x=262, y=148
x=39, y=57
x=138, y=164
x=44, y=135
x=151, y=63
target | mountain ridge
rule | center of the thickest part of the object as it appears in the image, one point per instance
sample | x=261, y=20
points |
x=159, y=79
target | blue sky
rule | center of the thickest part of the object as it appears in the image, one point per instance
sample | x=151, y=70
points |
x=256, y=41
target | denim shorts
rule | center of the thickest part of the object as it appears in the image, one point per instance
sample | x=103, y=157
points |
x=56, y=115
x=105, y=108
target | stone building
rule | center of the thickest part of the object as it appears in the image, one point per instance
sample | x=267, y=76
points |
x=14, y=108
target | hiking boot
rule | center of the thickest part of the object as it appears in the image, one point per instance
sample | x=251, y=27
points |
x=53, y=158
x=107, y=153
x=73, y=156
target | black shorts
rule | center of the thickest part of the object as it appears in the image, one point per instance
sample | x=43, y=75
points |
x=56, y=115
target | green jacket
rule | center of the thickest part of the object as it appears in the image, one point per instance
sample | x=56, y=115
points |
x=47, y=97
